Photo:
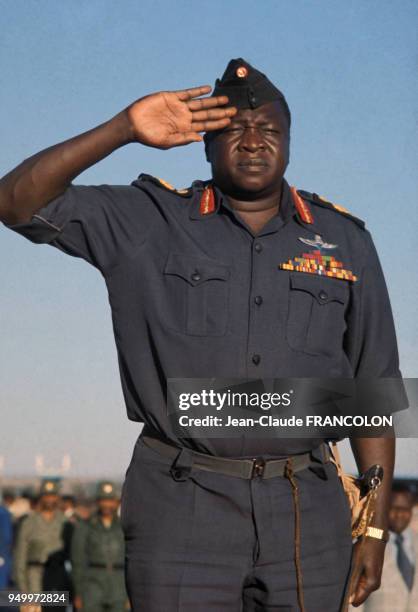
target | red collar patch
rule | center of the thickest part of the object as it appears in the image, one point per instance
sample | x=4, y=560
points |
x=301, y=206
x=207, y=201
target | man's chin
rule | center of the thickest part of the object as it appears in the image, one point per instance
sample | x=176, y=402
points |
x=251, y=187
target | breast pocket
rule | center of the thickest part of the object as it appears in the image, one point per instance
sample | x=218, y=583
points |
x=197, y=291
x=316, y=314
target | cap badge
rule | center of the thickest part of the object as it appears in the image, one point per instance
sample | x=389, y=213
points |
x=241, y=72
x=107, y=488
x=49, y=486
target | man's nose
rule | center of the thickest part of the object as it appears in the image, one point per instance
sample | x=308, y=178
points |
x=251, y=140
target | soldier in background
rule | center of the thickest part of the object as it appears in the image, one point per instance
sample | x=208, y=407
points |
x=8, y=497
x=30, y=499
x=97, y=556
x=67, y=506
x=42, y=545
x=17, y=505
x=84, y=509
x=6, y=535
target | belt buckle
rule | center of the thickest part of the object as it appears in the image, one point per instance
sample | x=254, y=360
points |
x=258, y=467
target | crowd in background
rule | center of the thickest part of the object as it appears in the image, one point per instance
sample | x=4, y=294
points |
x=54, y=542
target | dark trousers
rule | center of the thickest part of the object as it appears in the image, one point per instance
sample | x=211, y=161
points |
x=206, y=542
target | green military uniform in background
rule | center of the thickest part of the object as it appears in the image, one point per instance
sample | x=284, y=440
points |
x=41, y=547
x=97, y=557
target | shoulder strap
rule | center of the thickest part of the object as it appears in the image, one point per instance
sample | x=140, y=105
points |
x=321, y=201
x=165, y=185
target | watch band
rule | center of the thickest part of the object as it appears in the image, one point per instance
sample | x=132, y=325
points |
x=377, y=534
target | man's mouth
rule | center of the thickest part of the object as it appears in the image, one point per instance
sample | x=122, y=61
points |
x=253, y=163
x=251, y=166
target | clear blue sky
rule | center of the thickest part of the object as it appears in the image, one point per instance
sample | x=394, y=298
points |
x=348, y=72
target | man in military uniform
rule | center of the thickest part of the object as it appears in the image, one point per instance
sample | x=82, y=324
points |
x=213, y=281
x=42, y=545
x=97, y=556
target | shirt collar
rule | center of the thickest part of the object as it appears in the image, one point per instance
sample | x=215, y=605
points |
x=406, y=535
x=408, y=544
x=287, y=209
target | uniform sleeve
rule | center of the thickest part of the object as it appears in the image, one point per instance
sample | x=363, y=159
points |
x=96, y=223
x=20, y=555
x=79, y=556
x=370, y=341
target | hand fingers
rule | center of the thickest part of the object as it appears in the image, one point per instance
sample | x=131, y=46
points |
x=207, y=102
x=193, y=92
x=210, y=125
x=177, y=140
x=365, y=586
x=213, y=114
x=184, y=138
x=359, y=597
x=355, y=580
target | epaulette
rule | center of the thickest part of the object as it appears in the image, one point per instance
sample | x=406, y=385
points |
x=321, y=201
x=165, y=185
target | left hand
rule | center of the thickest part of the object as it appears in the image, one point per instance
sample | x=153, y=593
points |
x=368, y=564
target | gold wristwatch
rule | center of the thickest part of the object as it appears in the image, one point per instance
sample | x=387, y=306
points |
x=377, y=534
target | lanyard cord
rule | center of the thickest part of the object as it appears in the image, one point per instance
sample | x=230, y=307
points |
x=295, y=494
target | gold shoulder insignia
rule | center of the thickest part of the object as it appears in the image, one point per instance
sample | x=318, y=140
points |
x=336, y=206
x=159, y=182
x=165, y=183
x=170, y=187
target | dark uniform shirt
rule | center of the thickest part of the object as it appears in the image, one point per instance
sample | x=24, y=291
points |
x=200, y=295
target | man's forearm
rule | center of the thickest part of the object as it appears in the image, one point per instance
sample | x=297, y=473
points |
x=371, y=451
x=161, y=120
x=44, y=176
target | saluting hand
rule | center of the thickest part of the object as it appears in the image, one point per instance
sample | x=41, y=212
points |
x=173, y=118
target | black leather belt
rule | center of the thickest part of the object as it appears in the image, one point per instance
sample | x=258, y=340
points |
x=241, y=468
x=36, y=564
x=108, y=566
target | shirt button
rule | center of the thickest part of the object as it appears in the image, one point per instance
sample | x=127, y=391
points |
x=256, y=359
x=258, y=247
x=258, y=300
x=323, y=295
x=195, y=276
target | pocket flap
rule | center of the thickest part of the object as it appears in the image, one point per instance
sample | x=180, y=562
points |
x=322, y=288
x=195, y=270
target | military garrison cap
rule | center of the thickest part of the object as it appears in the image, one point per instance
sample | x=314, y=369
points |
x=105, y=490
x=246, y=87
x=49, y=486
